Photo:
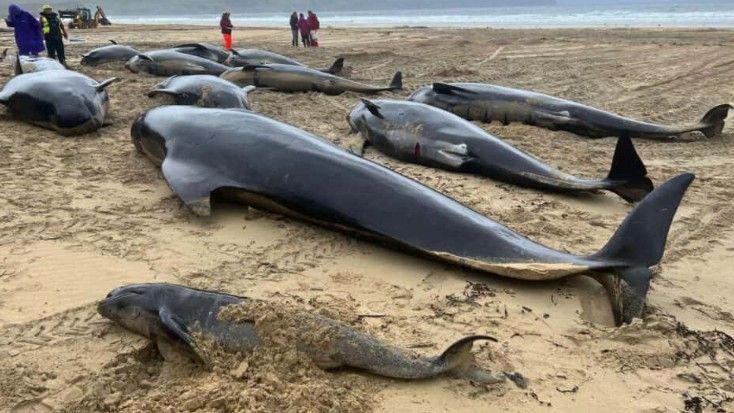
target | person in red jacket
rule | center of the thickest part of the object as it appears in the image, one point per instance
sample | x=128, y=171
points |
x=226, y=25
x=313, y=21
x=305, y=30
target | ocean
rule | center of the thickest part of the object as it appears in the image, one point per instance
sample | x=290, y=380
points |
x=705, y=14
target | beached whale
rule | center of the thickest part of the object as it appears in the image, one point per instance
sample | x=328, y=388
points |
x=487, y=103
x=30, y=64
x=289, y=78
x=254, y=57
x=108, y=54
x=206, y=50
x=419, y=133
x=177, y=317
x=65, y=101
x=170, y=63
x=204, y=90
x=258, y=161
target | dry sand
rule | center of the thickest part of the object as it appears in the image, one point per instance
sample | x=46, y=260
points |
x=79, y=216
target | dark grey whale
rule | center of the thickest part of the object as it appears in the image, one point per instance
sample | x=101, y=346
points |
x=65, y=101
x=419, y=133
x=204, y=90
x=289, y=78
x=254, y=57
x=255, y=160
x=108, y=54
x=171, y=62
x=487, y=103
x=172, y=314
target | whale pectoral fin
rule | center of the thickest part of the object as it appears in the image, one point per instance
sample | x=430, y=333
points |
x=193, y=67
x=177, y=330
x=450, y=155
x=192, y=184
x=556, y=118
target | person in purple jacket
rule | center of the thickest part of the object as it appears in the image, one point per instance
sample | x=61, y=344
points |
x=28, y=34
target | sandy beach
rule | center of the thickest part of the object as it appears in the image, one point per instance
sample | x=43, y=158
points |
x=80, y=216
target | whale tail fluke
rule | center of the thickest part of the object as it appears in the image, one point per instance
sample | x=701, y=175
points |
x=458, y=361
x=638, y=244
x=712, y=122
x=628, y=168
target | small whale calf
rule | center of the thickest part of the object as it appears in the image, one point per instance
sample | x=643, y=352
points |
x=487, y=103
x=173, y=315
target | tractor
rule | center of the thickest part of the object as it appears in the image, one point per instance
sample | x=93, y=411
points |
x=81, y=18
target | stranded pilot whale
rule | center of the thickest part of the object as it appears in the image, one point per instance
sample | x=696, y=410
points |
x=30, y=64
x=172, y=315
x=251, y=57
x=108, y=54
x=67, y=102
x=422, y=134
x=204, y=90
x=171, y=62
x=487, y=103
x=258, y=161
x=289, y=78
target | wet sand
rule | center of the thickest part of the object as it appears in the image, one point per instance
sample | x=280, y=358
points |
x=80, y=216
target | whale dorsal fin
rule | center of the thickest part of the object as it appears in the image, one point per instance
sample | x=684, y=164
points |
x=145, y=57
x=113, y=42
x=447, y=89
x=18, y=66
x=372, y=107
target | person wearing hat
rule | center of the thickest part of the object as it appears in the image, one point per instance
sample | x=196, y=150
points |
x=28, y=35
x=53, y=30
x=226, y=25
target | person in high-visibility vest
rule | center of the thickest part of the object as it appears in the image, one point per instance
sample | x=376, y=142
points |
x=53, y=30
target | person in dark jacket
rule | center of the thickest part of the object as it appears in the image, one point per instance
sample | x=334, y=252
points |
x=226, y=25
x=305, y=30
x=294, y=29
x=28, y=36
x=313, y=22
x=54, y=32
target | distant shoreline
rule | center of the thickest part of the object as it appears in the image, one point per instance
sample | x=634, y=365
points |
x=178, y=26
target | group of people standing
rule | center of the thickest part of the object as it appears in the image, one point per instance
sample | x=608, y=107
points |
x=307, y=27
x=30, y=33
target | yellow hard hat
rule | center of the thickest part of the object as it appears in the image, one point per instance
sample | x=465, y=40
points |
x=46, y=7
